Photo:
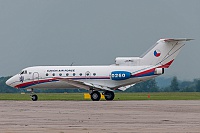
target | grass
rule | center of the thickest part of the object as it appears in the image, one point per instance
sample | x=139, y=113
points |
x=159, y=96
x=118, y=96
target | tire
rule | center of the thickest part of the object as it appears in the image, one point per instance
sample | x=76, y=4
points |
x=95, y=96
x=34, y=97
x=109, y=95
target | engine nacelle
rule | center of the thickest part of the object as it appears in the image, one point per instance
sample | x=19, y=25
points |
x=120, y=75
x=159, y=71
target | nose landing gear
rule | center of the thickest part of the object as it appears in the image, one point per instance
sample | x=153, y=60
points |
x=33, y=96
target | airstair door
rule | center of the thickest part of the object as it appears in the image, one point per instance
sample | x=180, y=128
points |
x=35, y=78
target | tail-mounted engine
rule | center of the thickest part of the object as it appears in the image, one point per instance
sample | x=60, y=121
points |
x=159, y=71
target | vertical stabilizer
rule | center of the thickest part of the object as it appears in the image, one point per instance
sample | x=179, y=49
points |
x=163, y=52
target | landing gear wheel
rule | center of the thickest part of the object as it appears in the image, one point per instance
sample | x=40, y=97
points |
x=34, y=97
x=95, y=96
x=109, y=95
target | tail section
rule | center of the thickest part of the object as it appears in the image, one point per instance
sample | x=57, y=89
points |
x=163, y=53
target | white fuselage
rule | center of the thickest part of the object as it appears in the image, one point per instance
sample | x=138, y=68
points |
x=49, y=76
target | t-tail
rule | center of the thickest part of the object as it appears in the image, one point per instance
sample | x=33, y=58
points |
x=162, y=54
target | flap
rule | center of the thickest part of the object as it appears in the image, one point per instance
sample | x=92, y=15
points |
x=123, y=88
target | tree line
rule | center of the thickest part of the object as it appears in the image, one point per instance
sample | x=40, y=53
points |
x=147, y=86
x=175, y=86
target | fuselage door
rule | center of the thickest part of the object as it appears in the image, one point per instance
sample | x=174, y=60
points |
x=35, y=77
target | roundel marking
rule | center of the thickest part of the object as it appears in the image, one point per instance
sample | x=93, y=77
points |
x=157, y=53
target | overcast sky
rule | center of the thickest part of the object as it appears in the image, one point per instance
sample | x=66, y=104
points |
x=95, y=32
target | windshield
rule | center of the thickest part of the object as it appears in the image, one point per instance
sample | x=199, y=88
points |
x=23, y=72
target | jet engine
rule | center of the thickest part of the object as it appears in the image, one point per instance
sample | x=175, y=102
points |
x=159, y=71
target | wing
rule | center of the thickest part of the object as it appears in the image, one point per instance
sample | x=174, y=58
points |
x=123, y=88
x=85, y=85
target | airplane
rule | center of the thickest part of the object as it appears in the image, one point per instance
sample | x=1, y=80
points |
x=126, y=72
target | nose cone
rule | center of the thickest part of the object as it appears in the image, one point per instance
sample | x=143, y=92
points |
x=9, y=81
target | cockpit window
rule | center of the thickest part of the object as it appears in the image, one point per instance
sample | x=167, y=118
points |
x=24, y=72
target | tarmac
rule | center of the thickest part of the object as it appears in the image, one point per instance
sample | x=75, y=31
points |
x=100, y=117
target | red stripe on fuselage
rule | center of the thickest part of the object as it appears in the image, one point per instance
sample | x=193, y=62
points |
x=166, y=65
x=24, y=85
x=27, y=84
x=145, y=72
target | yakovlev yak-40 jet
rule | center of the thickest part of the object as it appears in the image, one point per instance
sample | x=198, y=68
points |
x=126, y=72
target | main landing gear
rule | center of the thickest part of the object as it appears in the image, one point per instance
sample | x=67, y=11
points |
x=109, y=95
x=96, y=96
x=33, y=96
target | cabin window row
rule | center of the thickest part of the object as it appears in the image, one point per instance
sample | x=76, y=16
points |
x=73, y=74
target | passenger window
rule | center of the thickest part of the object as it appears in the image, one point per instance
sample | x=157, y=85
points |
x=94, y=74
x=67, y=74
x=25, y=72
x=60, y=74
x=74, y=74
x=80, y=74
x=47, y=74
x=53, y=74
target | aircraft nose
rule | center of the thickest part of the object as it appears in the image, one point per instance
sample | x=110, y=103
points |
x=9, y=82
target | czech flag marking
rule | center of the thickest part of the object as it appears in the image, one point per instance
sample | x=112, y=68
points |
x=157, y=53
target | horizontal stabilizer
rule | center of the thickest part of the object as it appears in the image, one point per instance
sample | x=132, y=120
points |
x=177, y=39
